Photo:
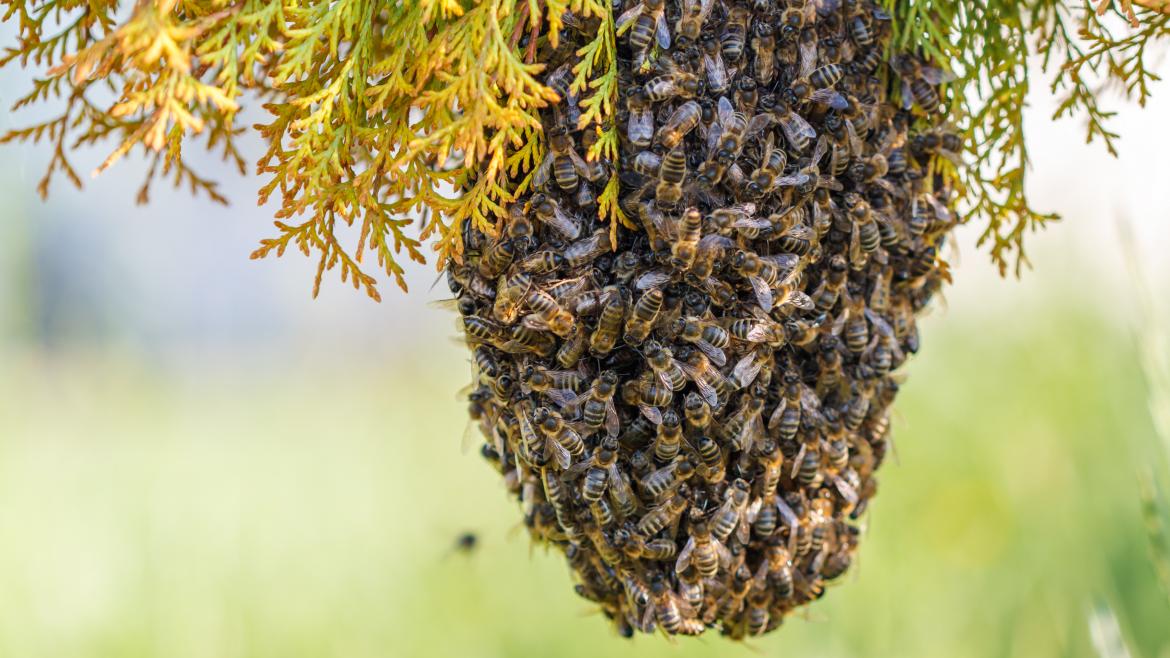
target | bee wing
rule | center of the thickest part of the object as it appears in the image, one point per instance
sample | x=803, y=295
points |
x=641, y=127
x=798, y=123
x=714, y=353
x=652, y=414
x=845, y=489
x=830, y=97
x=798, y=459
x=935, y=76
x=628, y=17
x=808, y=58
x=819, y=151
x=664, y=378
x=907, y=95
x=722, y=551
x=726, y=112
x=652, y=279
x=684, y=556
x=714, y=133
x=787, y=262
x=714, y=241
x=856, y=145
x=588, y=171
x=743, y=533
x=800, y=300
x=746, y=369
x=662, y=32
x=567, y=226
x=717, y=76
x=786, y=514
x=763, y=293
x=855, y=253
x=756, y=125
x=560, y=454
x=540, y=177
x=792, y=181
x=585, y=246
x=774, y=419
x=534, y=321
x=564, y=398
x=752, y=222
x=612, y=422
x=619, y=483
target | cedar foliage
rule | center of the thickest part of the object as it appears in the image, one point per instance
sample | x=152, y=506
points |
x=410, y=118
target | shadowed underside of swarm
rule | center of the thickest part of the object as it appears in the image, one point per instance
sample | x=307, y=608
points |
x=694, y=414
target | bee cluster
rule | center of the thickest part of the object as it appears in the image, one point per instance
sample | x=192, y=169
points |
x=694, y=415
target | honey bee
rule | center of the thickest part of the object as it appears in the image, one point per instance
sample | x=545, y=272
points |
x=584, y=251
x=734, y=33
x=709, y=337
x=679, y=124
x=686, y=244
x=647, y=163
x=764, y=45
x=563, y=162
x=703, y=549
x=798, y=131
x=640, y=125
x=642, y=316
x=548, y=211
x=713, y=470
x=726, y=137
x=770, y=174
x=673, y=614
x=662, y=363
x=744, y=426
x=690, y=21
x=669, y=440
x=566, y=444
x=650, y=395
x=764, y=273
x=829, y=291
x=670, y=177
x=609, y=323
x=560, y=81
x=674, y=82
x=646, y=22
x=712, y=385
x=919, y=82
x=730, y=516
x=662, y=515
x=718, y=79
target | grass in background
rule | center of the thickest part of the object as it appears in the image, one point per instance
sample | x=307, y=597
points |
x=254, y=512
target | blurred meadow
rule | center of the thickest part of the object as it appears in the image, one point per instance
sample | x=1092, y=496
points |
x=197, y=460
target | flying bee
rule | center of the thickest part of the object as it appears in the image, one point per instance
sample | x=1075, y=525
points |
x=798, y=131
x=703, y=549
x=640, y=125
x=709, y=337
x=919, y=82
x=669, y=190
x=731, y=515
x=548, y=211
x=646, y=22
x=642, y=316
x=734, y=34
x=690, y=21
x=679, y=124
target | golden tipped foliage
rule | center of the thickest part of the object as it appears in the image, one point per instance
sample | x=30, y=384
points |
x=388, y=114
x=1090, y=47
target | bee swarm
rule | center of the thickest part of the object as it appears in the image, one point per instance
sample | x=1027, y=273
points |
x=695, y=417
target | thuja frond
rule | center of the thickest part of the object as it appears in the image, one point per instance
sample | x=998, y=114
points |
x=404, y=119
x=1088, y=47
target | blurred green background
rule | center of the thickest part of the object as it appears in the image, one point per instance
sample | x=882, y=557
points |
x=197, y=460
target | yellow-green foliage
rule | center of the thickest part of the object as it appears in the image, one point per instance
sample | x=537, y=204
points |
x=385, y=115
x=381, y=112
